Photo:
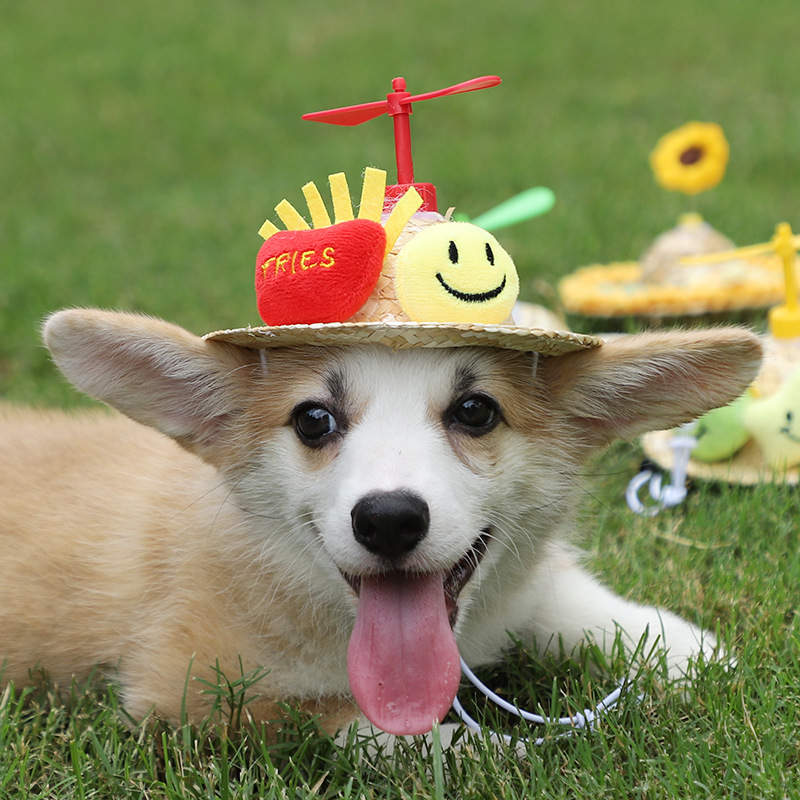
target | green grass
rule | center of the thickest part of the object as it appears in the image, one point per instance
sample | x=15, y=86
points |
x=733, y=734
x=143, y=144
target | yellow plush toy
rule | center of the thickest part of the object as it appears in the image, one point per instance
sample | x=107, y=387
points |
x=774, y=422
x=456, y=272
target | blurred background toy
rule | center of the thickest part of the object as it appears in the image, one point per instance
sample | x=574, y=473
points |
x=757, y=438
x=662, y=283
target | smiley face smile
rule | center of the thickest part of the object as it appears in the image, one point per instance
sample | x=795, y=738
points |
x=476, y=297
x=787, y=432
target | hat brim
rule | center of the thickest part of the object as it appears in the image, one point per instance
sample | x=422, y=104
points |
x=408, y=334
x=619, y=290
x=746, y=467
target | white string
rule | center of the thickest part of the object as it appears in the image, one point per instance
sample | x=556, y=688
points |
x=664, y=496
x=574, y=723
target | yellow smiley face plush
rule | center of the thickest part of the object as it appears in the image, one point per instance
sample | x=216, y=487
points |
x=774, y=423
x=456, y=272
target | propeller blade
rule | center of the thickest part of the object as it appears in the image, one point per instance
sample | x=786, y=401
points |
x=355, y=115
x=741, y=252
x=350, y=115
x=727, y=255
x=525, y=205
x=486, y=82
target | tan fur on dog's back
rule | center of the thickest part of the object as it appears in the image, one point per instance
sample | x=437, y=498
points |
x=161, y=559
x=60, y=480
x=109, y=559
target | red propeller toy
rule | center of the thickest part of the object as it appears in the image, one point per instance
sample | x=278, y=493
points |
x=398, y=106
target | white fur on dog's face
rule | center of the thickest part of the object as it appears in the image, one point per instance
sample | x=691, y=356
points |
x=469, y=436
x=395, y=431
x=397, y=440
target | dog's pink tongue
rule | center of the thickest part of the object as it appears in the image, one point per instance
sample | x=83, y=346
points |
x=403, y=659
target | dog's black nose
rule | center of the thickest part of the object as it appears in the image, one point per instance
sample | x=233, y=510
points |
x=390, y=524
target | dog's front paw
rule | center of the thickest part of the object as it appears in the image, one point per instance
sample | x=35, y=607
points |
x=686, y=647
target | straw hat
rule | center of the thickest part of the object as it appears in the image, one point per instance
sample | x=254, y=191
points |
x=394, y=275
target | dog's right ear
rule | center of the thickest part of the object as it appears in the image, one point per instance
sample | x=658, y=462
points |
x=156, y=373
x=652, y=381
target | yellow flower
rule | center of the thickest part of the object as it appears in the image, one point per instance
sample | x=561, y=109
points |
x=692, y=158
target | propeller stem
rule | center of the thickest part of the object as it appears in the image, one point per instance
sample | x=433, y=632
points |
x=784, y=246
x=784, y=319
x=399, y=109
x=402, y=147
x=400, y=112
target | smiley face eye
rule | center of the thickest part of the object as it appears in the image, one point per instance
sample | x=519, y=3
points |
x=475, y=414
x=452, y=252
x=314, y=424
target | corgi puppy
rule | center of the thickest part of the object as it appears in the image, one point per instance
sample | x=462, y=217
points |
x=348, y=520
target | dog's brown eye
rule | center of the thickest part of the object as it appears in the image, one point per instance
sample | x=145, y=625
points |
x=314, y=423
x=476, y=413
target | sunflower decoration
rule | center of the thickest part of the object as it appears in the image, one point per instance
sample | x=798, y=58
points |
x=691, y=159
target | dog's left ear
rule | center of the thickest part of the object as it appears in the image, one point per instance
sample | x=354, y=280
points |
x=652, y=381
x=156, y=373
